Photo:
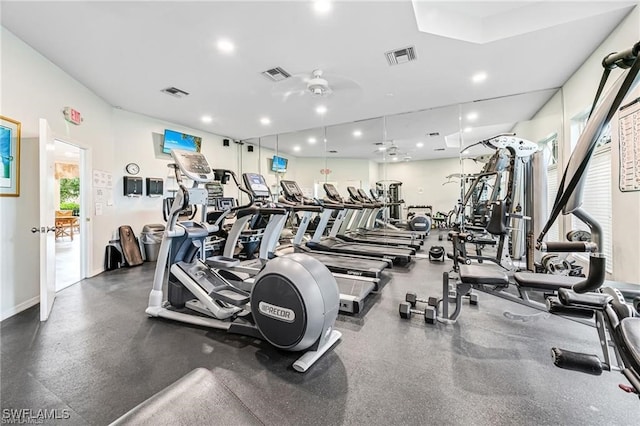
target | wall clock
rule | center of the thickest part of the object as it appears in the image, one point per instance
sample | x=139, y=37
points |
x=132, y=168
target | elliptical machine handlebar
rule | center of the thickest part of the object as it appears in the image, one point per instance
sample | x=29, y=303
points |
x=222, y=175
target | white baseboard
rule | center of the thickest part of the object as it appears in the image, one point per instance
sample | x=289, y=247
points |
x=96, y=272
x=19, y=308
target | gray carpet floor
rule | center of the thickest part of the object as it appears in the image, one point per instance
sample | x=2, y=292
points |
x=99, y=355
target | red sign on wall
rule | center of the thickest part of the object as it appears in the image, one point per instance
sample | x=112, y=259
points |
x=72, y=115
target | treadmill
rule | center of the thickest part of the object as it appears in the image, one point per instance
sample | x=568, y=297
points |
x=369, y=227
x=332, y=244
x=356, y=277
x=346, y=234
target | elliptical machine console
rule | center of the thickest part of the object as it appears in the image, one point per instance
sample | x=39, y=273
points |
x=293, y=303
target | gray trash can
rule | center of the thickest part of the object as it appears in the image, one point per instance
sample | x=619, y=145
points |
x=151, y=238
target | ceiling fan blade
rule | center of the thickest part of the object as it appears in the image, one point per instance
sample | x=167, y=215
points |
x=284, y=89
x=343, y=84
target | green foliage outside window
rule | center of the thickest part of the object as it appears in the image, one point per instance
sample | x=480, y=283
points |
x=69, y=193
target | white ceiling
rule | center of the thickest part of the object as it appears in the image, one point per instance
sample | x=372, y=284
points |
x=126, y=52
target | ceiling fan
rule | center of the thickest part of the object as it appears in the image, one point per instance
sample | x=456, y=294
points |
x=317, y=84
x=391, y=150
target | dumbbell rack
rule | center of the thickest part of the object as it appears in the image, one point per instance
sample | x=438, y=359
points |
x=407, y=308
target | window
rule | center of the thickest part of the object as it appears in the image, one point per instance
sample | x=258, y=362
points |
x=597, y=189
x=549, y=147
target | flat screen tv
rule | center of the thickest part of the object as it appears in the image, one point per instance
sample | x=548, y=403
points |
x=177, y=140
x=279, y=164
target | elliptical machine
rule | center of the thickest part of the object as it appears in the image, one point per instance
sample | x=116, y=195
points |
x=293, y=303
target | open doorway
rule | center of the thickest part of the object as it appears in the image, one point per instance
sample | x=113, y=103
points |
x=67, y=190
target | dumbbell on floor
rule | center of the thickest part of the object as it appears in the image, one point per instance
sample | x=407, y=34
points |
x=406, y=311
x=412, y=298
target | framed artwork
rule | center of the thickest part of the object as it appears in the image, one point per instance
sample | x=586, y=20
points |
x=10, y=155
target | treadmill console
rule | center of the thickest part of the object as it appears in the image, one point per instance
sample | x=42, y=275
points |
x=257, y=185
x=291, y=190
x=193, y=165
x=363, y=195
x=353, y=193
x=332, y=192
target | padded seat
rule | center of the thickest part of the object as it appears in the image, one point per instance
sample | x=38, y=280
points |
x=198, y=398
x=629, y=330
x=474, y=274
x=545, y=282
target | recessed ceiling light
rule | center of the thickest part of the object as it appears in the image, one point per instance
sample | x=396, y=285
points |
x=467, y=129
x=382, y=148
x=472, y=116
x=420, y=144
x=206, y=119
x=465, y=152
x=322, y=6
x=394, y=159
x=357, y=133
x=265, y=121
x=479, y=77
x=321, y=109
x=312, y=140
x=296, y=148
x=225, y=46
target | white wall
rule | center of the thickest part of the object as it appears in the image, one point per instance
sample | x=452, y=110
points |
x=17, y=216
x=138, y=138
x=625, y=218
x=32, y=88
x=422, y=181
x=344, y=171
x=577, y=95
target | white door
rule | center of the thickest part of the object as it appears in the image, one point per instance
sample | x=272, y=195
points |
x=47, y=222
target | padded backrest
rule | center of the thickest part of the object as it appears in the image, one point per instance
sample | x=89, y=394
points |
x=498, y=219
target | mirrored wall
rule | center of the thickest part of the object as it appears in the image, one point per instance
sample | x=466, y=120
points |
x=418, y=162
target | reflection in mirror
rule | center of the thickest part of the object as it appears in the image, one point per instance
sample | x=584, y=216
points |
x=427, y=154
x=514, y=170
x=423, y=157
x=250, y=154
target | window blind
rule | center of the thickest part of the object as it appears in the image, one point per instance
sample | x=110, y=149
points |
x=552, y=188
x=597, y=198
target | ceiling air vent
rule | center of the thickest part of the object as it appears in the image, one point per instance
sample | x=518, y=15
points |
x=276, y=74
x=400, y=56
x=174, y=91
x=333, y=151
x=438, y=149
x=433, y=134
